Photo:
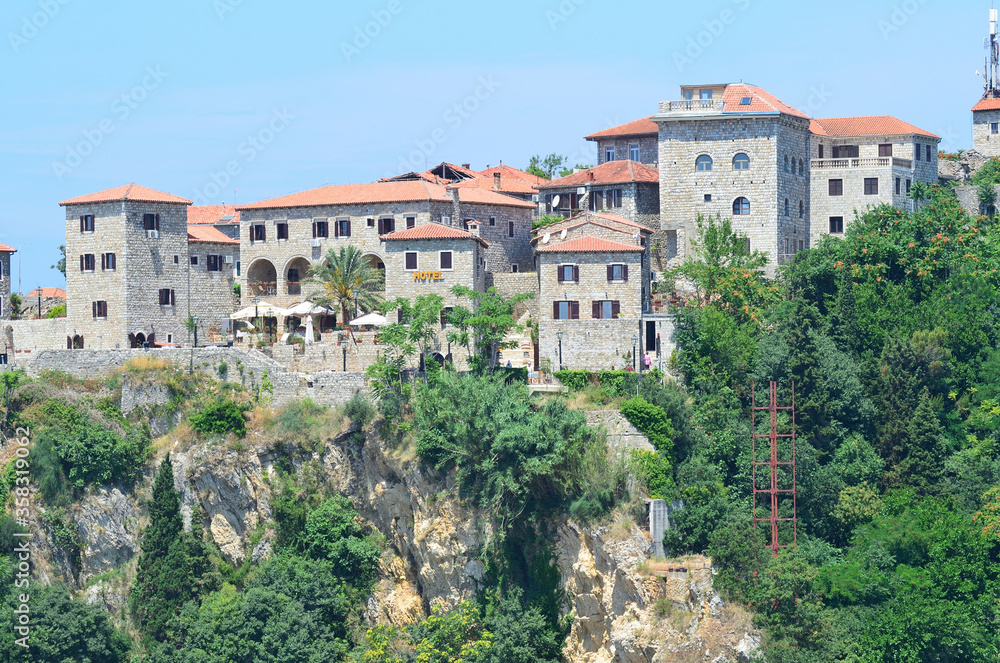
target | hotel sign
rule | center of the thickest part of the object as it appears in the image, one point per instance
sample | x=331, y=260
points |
x=427, y=276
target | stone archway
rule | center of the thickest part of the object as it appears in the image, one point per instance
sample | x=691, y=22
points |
x=262, y=279
x=376, y=261
x=296, y=272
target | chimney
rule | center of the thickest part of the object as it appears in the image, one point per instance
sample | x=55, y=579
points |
x=467, y=166
x=590, y=175
x=451, y=192
x=473, y=226
x=496, y=181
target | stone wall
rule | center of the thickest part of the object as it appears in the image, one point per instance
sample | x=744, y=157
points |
x=509, y=285
x=968, y=198
x=28, y=337
x=504, y=250
x=621, y=434
x=983, y=140
x=325, y=387
x=587, y=344
x=648, y=153
x=212, y=292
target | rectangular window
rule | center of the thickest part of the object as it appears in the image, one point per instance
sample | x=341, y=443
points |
x=100, y=309
x=411, y=221
x=836, y=187
x=821, y=151
x=411, y=261
x=108, y=262
x=151, y=221
x=282, y=230
x=606, y=310
x=343, y=228
x=836, y=224
x=609, y=153
x=615, y=196
x=566, y=310
x=885, y=150
x=909, y=183
x=87, y=223
x=510, y=229
x=445, y=314
x=445, y=220
x=214, y=263
x=596, y=201
x=493, y=221
x=167, y=297
x=321, y=229
x=845, y=151
x=618, y=272
x=871, y=186
x=995, y=127
x=802, y=245
x=785, y=244
x=708, y=197
x=386, y=225
x=237, y=268
x=928, y=147
x=633, y=152
x=194, y=260
x=87, y=262
x=899, y=186
x=513, y=269
x=177, y=260
x=916, y=151
x=569, y=273
x=371, y=223
x=445, y=260
x=258, y=233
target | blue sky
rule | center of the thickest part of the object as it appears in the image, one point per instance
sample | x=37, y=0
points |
x=293, y=95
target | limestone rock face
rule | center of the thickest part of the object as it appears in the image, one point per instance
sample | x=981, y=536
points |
x=108, y=521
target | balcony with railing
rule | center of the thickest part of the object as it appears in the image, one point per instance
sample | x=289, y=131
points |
x=862, y=162
x=263, y=289
x=692, y=107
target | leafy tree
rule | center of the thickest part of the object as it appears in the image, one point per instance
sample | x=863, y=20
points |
x=172, y=564
x=57, y=311
x=333, y=534
x=486, y=325
x=987, y=195
x=421, y=319
x=16, y=306
x=520, y=633
x=220, y=417
x=989, y=516
x=920, y=465
x=346, y=279
x=546, y=167
x=60, y=265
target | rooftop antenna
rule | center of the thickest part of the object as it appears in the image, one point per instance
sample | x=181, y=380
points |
x=991, y=74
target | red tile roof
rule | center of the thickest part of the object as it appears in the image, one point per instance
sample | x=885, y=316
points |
x=609, y=172
x=212, y=214
x=206, y=233
x=869, y=125
x=987, y=104
x=589, y=244
x=506, y=185
x=53, y=293
x=130, y=192
x=432, y=231
x=761, y=101
x=509, y=173
x=643, y=127
x=592, y=218
x=383, y=192
x=478, y=196
x=7, y=249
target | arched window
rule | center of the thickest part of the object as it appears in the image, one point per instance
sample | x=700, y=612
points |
x=802, y=210
x=741, y=207
x=786, y=163
x=704, y=162
x=786, y=206
x=741, y=162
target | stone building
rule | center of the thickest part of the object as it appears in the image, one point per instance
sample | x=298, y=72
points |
x=430, y=259
x=857, y=162
x=5, y=253
x=506, y=180
x=624, y=188
x=224, y=218
x=986, y=126
x=282, y=237
x=737, y=151
x=635, y=141
x=593, y=284
x=213, y=258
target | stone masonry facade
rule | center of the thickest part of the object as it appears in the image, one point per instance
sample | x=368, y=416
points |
x=623, y=147
x=985, y=139
x=5, y=312
x=212, y=282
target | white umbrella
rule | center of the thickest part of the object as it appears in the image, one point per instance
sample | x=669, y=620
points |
x=306, y=308
x=309, y=330
x=373, y=319
x=262, y=309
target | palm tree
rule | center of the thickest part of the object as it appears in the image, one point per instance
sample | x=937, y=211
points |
x=346, y=278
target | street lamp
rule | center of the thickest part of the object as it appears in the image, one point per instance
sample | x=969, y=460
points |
x=343, y=345
x=559, y=335
x=635, y=345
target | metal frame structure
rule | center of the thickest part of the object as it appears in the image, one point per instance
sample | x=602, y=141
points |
x=774, y=491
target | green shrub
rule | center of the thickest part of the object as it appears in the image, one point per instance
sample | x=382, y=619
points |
x=654, y=423
x=615, y=383
x=656, y=472
x=220, y=417
x=359, y=409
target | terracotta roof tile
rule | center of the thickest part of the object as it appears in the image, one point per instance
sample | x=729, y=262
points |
x=432, y=231
x=7, y=249
x=212, y=214
x=130, y=192
x=206, y=233
x=987, y=104
x=506, y=185
x=868, y=125
x=643, y=127
x=479, y=196
x=510, y=173
x=761, y=101
x=609, y=172
x=382, y=192
x=589, y=244
x=50, y=293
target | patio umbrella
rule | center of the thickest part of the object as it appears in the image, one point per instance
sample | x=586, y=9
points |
x=373, y=319
x=307, y=308
x=262, y=309
x=309, y=330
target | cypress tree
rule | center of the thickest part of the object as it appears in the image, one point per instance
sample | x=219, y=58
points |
x=921, y=466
